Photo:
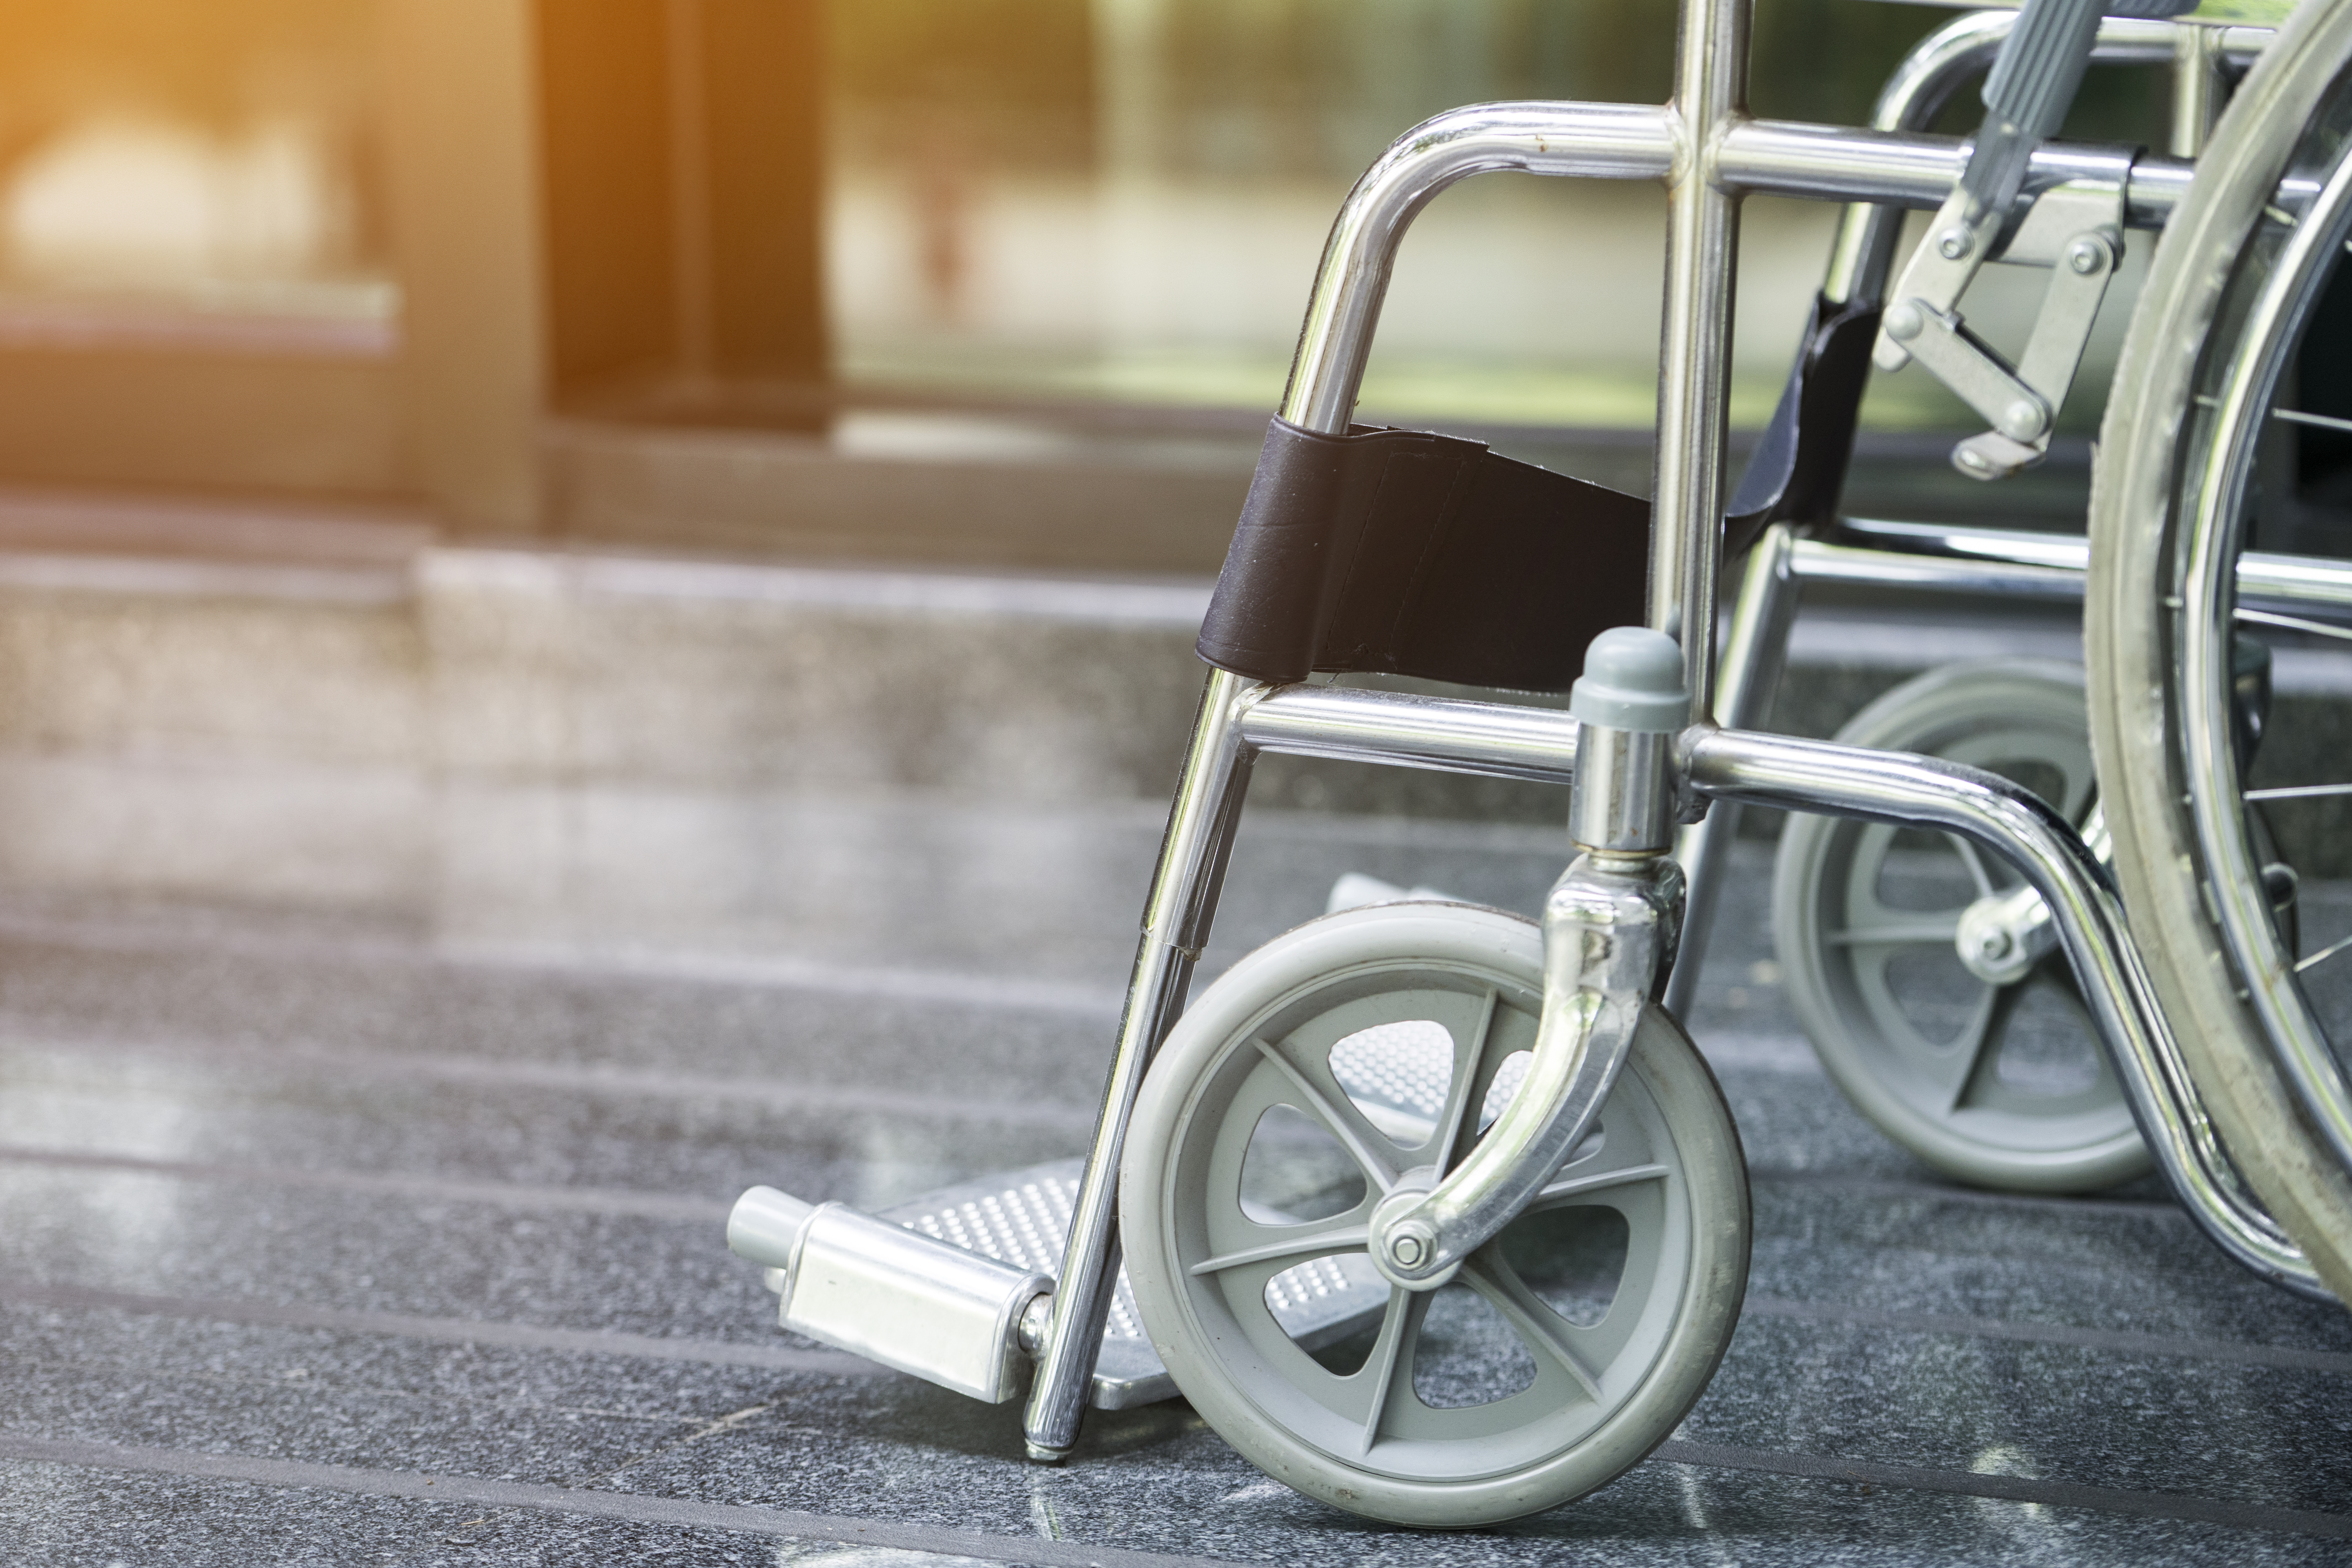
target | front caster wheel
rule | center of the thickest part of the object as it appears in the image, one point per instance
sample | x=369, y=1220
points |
x=1291, y=1097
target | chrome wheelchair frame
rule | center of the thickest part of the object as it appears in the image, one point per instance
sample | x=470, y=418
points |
x=1614, y=922
x=1709, y=152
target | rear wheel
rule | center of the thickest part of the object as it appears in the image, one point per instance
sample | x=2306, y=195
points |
x=2229, y=433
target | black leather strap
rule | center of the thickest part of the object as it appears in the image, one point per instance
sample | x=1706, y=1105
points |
x=1407, y=553
x=1404, y=553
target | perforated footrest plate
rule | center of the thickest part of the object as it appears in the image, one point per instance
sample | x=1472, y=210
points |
x=1396, y=1074
x=1023, y=1217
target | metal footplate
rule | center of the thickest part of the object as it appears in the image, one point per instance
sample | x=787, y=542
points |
x=953, y=1286
x=1023, y=1218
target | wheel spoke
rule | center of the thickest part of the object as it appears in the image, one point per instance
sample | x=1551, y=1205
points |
x=1542, y=1328
x=2317, y=421
x=1392, y=1351
x=1940, y=930
x=2299, y=792
x=1982, y=1041
x=1568, y=1187
x=1344, y=1124
x=2323, y=955
x=1320, y=1241
x=2292, y=624
x=1467, y=1056
x=1973, y=858
x=1920, y=1049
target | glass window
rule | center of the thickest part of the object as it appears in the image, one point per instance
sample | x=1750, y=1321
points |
x=190, y=172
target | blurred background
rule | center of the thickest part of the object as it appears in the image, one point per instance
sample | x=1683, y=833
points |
x=482, y=465
x=488, y=466
x=776, y=275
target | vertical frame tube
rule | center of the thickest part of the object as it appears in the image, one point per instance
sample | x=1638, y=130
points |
x=2197, y=89
x=1694, y=368
x=1176, y=919
x=1753, y=655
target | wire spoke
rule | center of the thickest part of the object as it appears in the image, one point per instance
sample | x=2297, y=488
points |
x=2323, y=955
x=1321, y=1240
x=2294, y=624
x=1529, y=1317
x=2299, y=792
x=1944, y=930
x=2317, y=421
x=1346, y=1126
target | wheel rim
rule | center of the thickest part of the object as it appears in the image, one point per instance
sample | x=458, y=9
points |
x=2004, y=1084
x=1433, y=1398
x=2241, y=404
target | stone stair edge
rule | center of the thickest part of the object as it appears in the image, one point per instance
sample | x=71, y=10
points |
x=1139, y=602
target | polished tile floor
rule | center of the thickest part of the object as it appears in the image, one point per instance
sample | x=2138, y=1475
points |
x=371, y=1240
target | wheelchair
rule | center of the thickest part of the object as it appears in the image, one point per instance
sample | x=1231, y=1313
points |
x=1436, y=1212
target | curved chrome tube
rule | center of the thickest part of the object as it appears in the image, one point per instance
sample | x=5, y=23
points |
x=1609, y=935
x=1597, y=141
x=1893, y=168
x=2018, y=827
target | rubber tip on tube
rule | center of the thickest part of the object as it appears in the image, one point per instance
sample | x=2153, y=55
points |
x=1632, y=680
x=766, y=1226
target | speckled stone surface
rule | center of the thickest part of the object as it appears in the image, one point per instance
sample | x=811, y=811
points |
x=259, y=1173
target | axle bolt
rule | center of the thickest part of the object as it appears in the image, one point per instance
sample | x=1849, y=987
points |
x=1408, y=1248
x=1953, y=244
x=1993, y=946
x=2085, y=257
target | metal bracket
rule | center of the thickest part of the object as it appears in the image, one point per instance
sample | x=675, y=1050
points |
x=1958, y=243
x=1965, y=363
x=2075, y=230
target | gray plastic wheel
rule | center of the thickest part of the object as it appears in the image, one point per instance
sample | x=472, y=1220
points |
x=2003, y=1086
x=1292, y=1094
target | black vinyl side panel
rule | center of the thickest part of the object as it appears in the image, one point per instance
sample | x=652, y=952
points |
x=1409, y=554
x=1797, y=470
x=1404, y=552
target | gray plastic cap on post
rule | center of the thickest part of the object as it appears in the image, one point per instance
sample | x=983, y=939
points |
x=1632, y=680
